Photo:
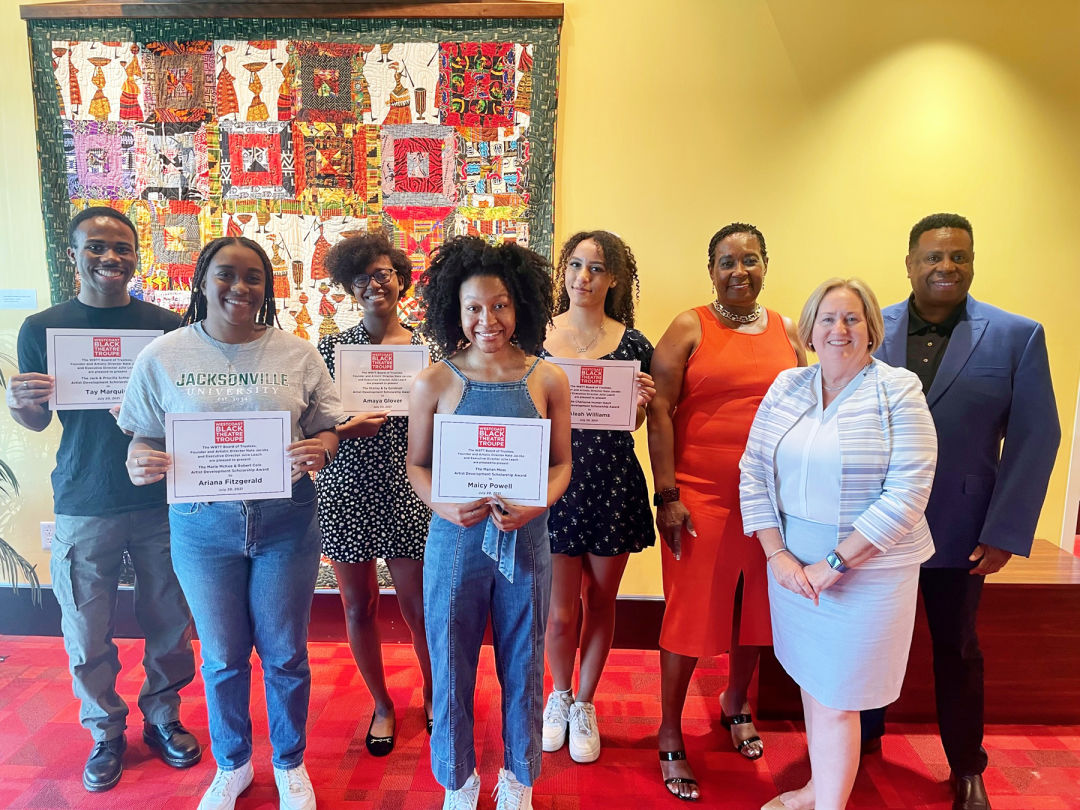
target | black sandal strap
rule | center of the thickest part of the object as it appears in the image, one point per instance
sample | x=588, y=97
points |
x=748, y=741
x=672, y=756
x=681, y=780
x=740, y=719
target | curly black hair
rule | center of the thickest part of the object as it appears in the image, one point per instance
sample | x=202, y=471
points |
x=196, y=310
x=737, y=227
x=352, y=257
x=935, y=222
x=618, y=260
x=527, y=277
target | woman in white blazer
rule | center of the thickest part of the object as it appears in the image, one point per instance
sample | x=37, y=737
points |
x=835, y=477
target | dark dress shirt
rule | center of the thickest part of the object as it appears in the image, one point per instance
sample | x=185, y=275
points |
x=926, y=341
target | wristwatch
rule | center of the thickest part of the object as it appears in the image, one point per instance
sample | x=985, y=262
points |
x=669, y=495
x=836, y=562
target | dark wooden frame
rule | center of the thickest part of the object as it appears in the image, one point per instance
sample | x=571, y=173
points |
x=90, y=9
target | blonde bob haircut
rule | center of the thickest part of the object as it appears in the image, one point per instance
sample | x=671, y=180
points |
x=874, y=323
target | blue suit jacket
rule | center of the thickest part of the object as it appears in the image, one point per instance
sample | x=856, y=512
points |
x=998, y=432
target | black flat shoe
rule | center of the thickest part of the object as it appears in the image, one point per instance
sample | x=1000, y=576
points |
x=172, y=742
x=675, y=756
x=379, y=746
x=430, y=721
x=103, y=768
x=970, y=792
x=743, y=746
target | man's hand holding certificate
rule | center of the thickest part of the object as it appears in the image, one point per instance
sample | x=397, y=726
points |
x=92, y=366
x=228, y=456
x=377, y=377
x=603, y=393
x=484, y=456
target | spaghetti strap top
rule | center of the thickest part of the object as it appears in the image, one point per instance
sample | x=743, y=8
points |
x=496, y=398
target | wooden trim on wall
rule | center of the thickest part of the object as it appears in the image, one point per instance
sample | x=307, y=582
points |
x=90, y=9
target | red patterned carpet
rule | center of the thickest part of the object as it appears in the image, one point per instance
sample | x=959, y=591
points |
x=42, y=747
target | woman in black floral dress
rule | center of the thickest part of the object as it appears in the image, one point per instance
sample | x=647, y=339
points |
x=367, y=508
x=605, y=514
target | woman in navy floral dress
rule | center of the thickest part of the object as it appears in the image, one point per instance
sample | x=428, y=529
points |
x=604, y=515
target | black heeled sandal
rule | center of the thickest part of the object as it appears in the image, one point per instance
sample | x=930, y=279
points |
x=743, y=746
x=675, y=756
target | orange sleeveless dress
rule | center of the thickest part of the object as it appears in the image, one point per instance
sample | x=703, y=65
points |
x=725, y=380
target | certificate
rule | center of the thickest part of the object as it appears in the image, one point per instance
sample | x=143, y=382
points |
x=228, y=456
x=92, y=366
x=476, y=456
x=377, y=377
x=603, y=394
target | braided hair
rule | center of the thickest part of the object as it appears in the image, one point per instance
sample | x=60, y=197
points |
x=618, y=260
x=196, y=310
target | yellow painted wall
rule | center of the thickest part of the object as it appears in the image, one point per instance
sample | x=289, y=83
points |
x=833, y=126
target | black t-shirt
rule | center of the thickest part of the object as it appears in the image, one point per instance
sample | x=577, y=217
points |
x=90, y=477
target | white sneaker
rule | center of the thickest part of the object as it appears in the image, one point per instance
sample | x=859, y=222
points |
x=512, y=795
x=226, y=787
x=584, y=734
x=556, y=716
x=464, y=798
x=294, y=788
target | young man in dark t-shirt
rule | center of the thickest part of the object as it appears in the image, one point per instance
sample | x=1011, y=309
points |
x=100, y=514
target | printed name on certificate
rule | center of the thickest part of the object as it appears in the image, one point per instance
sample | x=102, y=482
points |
x=377, y=377
x=92, y=366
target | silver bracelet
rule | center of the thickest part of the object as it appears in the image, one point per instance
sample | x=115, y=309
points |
x=774, y=552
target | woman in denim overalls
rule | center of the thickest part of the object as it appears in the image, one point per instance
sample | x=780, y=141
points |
x=488, y=308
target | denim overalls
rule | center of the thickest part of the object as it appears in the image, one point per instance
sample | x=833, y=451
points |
x=462, y=586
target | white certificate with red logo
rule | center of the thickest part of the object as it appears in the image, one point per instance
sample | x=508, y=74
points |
x=228, y=456
x=377, y=377
x=603, y=395
x=92, y=366
x=476, y=456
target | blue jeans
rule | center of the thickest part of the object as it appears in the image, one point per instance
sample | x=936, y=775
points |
x=248, y=571
x=462, y=587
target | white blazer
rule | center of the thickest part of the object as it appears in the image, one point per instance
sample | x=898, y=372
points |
x=888, y=452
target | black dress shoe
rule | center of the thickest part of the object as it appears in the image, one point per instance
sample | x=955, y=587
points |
x=173, y=743
x=378, y=746
x=970, y=793
x=105, y=765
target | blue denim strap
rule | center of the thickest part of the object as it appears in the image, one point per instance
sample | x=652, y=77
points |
x=500, y=546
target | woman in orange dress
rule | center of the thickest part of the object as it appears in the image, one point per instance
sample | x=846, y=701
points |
x=712, y=367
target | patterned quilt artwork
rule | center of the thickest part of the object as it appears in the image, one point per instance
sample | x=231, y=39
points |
x=297, y=144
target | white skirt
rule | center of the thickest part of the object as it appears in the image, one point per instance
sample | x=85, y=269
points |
x=849, y=651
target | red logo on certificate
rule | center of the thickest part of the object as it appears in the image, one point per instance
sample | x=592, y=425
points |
x=382, y=361
x=106, y=347
x=592, y=375
x=229, y=432
x=491, y=436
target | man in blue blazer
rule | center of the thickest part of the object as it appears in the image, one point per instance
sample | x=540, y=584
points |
x=986, y=377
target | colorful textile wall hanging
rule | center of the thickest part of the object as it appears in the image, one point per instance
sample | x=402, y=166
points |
x=295, y=133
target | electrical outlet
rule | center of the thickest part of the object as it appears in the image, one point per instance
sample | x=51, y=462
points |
x=48, y=529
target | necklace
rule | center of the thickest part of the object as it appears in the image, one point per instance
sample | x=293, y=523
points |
x=843, y=385
x=582, y=349
x=229, y=351
x=724, y=312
